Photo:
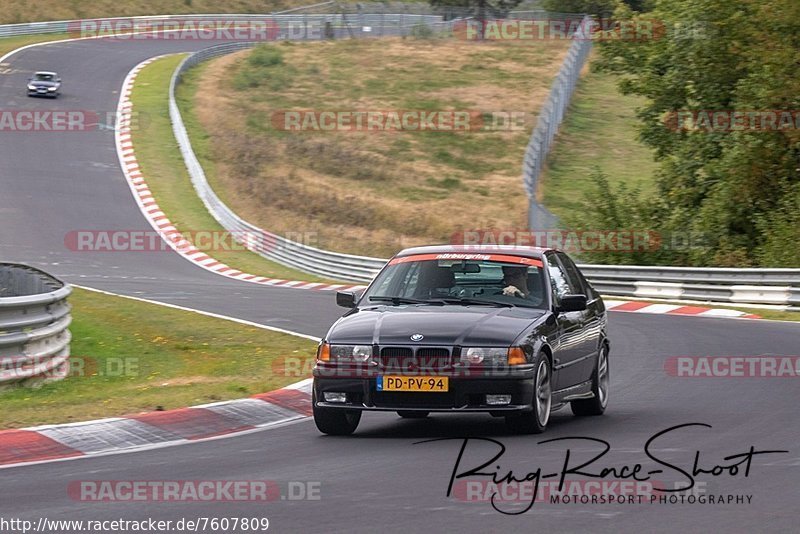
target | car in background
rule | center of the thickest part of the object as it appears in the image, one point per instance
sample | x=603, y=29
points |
x=516, y=332
x=44, y=83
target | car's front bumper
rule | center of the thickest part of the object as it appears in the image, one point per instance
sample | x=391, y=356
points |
x=465, y=394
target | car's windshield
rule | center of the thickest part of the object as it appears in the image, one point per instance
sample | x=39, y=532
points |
x=44, y=77
x=469, y=279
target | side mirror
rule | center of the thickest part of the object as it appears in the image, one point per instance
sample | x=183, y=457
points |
x=346, y=299
x=572, y=303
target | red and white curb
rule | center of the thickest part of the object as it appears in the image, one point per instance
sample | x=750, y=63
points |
x=159, y=221
x=633, y=306
x=155, y=429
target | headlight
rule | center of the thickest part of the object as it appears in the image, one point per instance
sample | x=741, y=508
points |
x=484, y=355
x=495, y=356
x=351, y=353
x=52, y=88
x=31, y=88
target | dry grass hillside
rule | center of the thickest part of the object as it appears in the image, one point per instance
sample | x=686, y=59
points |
x=364, y=191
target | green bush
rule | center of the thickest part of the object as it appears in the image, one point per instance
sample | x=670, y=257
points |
x=421, y=31
x=265, y=56
x=781, y=231
x=264, y=68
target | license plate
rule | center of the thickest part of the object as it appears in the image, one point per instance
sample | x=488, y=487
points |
x=430, y=384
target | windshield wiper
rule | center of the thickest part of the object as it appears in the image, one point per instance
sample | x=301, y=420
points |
x=396, y=301
x=481, y=302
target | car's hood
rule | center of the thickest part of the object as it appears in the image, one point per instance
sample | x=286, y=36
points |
x=41, y=83
x=440, y=325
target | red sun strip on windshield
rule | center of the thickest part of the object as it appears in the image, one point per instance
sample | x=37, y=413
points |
x=522, y=260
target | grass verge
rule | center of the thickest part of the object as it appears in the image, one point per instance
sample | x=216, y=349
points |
x=133, y=356
x=7, y=44
x=166, y=175
x=599, y=131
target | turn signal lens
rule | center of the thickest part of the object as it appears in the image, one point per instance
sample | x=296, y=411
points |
x=324, y=352
x=516, y=356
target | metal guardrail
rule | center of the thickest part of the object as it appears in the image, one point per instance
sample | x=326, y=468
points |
x=778, y=287
x=269, y=245
x=34, y=321
x=550, y=117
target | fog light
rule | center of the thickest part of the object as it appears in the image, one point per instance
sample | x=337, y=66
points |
x=334, y=397
x=495, y=400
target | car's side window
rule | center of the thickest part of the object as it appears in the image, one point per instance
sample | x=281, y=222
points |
x=410, y=280
x=573, y=276
x=558, y=279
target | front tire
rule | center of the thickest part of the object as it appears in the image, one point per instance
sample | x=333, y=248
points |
x=600, y=381
x=535, y=421
x=335, y=421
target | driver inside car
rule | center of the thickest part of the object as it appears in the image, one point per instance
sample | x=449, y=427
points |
x=515, y=280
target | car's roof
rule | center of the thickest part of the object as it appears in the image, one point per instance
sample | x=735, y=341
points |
x=513, y=250
x=46, y=72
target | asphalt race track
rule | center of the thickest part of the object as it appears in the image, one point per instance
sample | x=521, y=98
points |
x=54, y=182
x=377, y=480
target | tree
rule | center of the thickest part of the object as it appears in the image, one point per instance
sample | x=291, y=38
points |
x=482, y=10
x=732, y=186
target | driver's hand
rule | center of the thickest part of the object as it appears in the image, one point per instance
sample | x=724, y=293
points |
x=512, y=291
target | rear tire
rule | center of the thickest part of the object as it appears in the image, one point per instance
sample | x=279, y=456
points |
x=335, y=421
x=408, y=414
x=535, y=421
x=600, y=381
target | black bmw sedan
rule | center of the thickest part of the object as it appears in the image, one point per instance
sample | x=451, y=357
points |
x=516, y=332
x=44, y=83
